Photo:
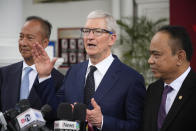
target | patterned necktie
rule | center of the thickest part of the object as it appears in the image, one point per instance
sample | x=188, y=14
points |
x=24, y=90
x=89, y=89
x=162, y=113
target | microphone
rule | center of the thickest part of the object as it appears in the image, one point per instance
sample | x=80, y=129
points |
x=46, y=110
x=22, y=105
x=31, y=118
x=79, y=114
x=64, y=113
x=3, y=121
x=10, y=116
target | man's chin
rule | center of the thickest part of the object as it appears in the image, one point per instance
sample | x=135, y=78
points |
x=156, y=75
x=27, y=57
x=91, y=54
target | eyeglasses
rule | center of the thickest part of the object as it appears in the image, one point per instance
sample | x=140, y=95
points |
x=96, y=31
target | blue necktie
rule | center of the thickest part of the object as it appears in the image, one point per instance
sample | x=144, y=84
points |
x=162, y=113
x=24, y=90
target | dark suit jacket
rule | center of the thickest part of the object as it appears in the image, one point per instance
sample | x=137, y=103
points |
x=182, y=114
x=120, y=94
x=10, y=80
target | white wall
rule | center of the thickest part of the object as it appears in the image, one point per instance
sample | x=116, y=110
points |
x=153, y=9
x=64, y=14
x=10, y=23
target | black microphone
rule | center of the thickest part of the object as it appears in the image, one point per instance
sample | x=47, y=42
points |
x=10, y=116
x=64, y=112
x=28, y=118
x=79, y=114
x=46, y=110
x=22, y=105
x=65, y=116
x=49, y=116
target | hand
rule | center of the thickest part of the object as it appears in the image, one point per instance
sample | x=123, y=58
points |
x=72, y=105
x=42, y=61
x=95, y=116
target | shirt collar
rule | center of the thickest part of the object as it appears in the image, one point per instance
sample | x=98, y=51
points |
x=176, y=84
x=25, y=65
x=103, y=66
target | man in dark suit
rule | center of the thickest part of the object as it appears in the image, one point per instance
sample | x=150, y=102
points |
x=116, y=101
x=170, y=103
x=38, y=30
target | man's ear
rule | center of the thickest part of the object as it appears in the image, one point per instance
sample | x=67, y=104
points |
x=45, y=43
x=181, y=54
x=112, y=39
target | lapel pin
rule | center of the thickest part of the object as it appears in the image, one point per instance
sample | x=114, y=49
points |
x=180, y=97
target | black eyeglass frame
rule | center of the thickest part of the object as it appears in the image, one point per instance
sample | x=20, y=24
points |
x=94, y=29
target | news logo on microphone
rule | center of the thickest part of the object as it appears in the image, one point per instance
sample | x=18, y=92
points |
x=67, y=125
x=30, y=117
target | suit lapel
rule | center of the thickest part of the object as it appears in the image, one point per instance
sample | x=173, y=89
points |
x=157, y=93
x=13, y=85
x=109, y=79
x=80, y=84
x=185, y=93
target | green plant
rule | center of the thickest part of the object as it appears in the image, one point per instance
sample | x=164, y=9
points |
x=136, y=34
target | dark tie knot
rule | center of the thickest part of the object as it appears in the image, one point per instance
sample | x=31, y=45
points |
x=92, y=69
x=167, y=89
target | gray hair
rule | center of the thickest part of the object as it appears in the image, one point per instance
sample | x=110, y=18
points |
x=110, y=21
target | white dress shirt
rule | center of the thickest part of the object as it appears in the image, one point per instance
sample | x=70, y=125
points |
x=32, y=74
x=102, y=68
x=176, y=85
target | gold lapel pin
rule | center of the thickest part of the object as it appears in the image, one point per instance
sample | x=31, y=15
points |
x=180, y=97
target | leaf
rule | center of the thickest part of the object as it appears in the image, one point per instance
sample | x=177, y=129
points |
x=136, y=34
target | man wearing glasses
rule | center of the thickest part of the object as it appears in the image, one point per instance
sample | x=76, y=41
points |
x=113, y=92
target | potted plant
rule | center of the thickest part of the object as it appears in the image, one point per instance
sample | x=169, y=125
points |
x=136, y=34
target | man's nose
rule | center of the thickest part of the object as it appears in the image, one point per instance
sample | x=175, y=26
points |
x=150, y=60
x=91, y=34
x=23, y=41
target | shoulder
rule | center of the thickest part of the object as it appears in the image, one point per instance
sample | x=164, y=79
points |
x=126, y=70
x=56, y=73
x=79, y=66
x=155, y=85
x=11, y=67
x=192, y=75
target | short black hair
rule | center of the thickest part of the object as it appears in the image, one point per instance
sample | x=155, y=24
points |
x=180, y=35
x=46, y=25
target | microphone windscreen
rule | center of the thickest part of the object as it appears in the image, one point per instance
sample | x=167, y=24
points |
x=46, y=109
x=23, y=105
x=11, y=114
x=64, y=112
x=79, y=112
